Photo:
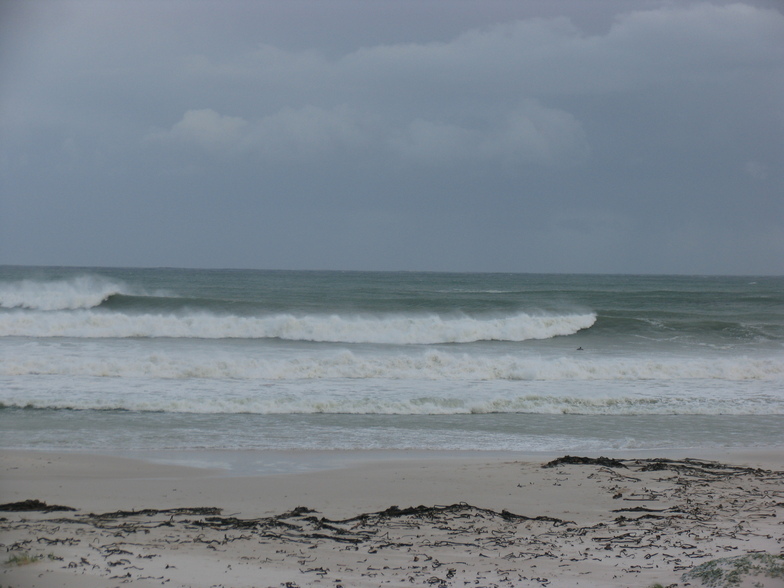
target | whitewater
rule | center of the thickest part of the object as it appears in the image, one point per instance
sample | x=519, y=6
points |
x=167, y=358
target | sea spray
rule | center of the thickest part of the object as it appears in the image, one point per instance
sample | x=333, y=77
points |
x=85, y=291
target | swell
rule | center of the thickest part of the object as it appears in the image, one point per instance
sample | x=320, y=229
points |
x=146, y=304
x=659, y=324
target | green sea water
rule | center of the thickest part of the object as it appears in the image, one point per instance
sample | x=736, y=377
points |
x=164, y=358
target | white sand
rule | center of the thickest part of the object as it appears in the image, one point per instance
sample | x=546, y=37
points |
x=256, y=539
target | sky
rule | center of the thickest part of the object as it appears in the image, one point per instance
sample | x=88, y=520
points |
x=563, y=136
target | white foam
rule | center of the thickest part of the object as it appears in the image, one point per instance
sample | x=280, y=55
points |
x=392, y=329
x=394, y=398
x=207, y=363
x=75, y=293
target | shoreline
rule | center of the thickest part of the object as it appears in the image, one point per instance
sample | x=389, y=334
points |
x=265, y=462
x=576, y=522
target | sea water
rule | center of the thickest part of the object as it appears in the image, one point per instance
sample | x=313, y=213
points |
x=182, y=359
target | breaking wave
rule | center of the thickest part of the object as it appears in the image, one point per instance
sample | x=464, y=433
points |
x=80, y=292
x=395, y=329
x=296, y=400
x=432, y=365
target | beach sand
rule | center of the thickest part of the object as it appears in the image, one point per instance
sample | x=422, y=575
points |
x=463, y=519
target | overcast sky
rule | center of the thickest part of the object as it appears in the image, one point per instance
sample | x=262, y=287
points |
x=590, y=136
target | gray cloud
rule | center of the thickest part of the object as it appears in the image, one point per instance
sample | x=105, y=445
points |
x=636, y=137
x=529, y=134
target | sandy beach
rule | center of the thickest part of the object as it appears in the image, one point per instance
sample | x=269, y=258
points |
x=460, y=519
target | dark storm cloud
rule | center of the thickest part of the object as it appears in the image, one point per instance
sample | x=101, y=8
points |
x=636, y=137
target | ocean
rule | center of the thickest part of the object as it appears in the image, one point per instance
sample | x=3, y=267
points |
x=135, y=360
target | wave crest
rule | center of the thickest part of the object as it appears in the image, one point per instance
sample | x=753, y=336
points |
x=397, y=330
x=82, y=292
